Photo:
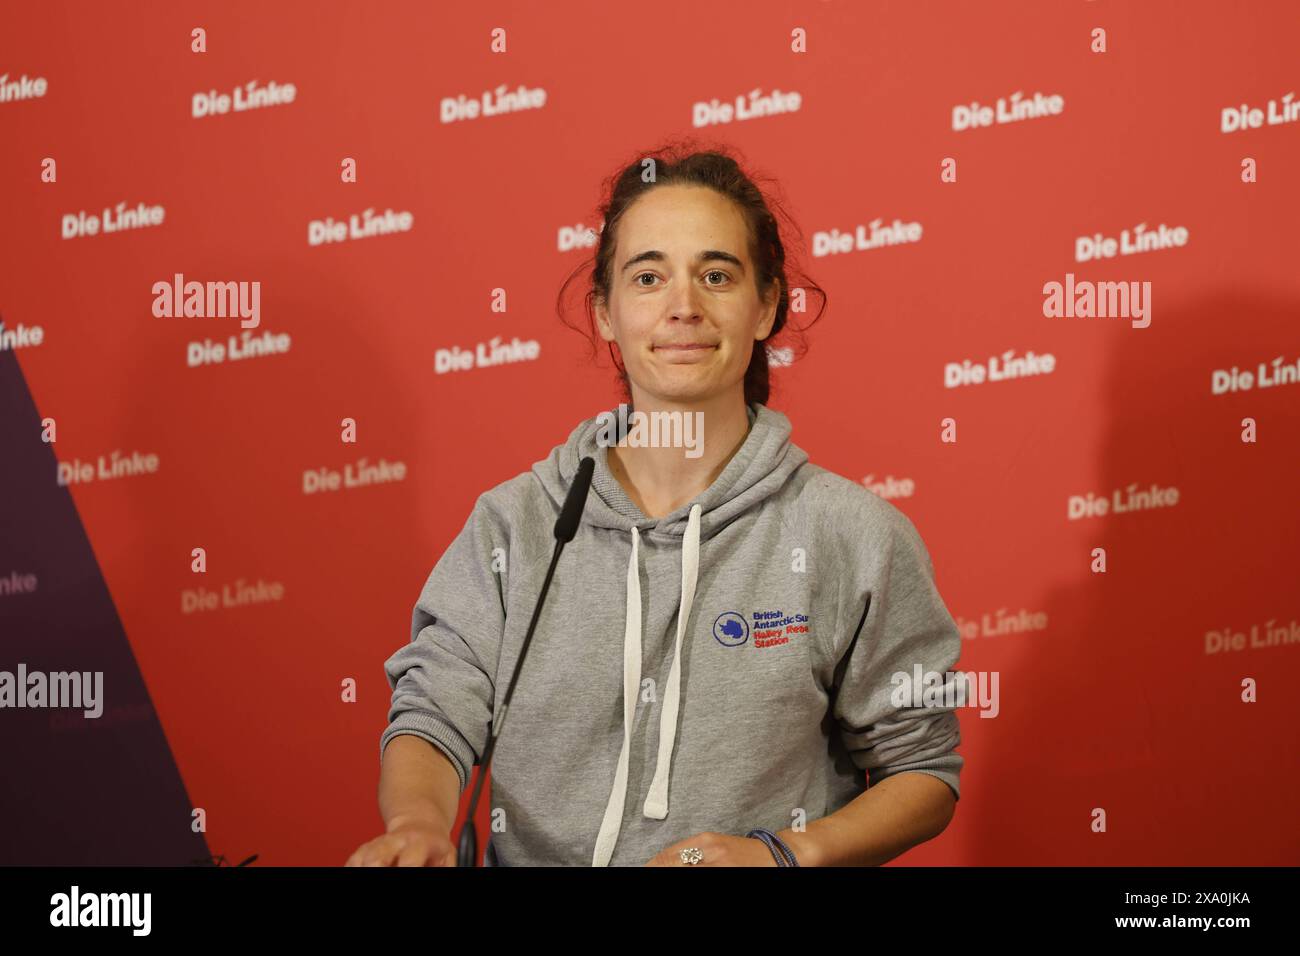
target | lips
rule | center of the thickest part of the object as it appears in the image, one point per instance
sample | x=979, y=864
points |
x=684, y=353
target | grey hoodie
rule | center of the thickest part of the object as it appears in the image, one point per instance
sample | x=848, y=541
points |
x=728, y=666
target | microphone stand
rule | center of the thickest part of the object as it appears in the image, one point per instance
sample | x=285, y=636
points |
x=566, y=526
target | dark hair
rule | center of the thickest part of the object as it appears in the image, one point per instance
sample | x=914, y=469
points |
x=680, y=163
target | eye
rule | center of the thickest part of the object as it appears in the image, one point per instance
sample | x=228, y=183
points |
x=717, y=272
x=636, y=279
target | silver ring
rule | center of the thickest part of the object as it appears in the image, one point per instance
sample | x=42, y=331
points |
x=692, y=855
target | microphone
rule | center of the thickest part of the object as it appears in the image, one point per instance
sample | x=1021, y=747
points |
x=566, y=526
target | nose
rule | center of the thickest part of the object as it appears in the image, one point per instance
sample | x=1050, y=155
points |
x=684, y=303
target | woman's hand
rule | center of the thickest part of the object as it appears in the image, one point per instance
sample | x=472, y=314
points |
x=408, y=843
x=719, y=849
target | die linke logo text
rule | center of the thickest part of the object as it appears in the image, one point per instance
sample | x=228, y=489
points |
x=486, y=355
x=1141, y=239
x=452, y=109
x=246, y=346
x=17, y=583
x=362, y=226
x=20, y=336
x=775, y=627
x=1121, y=501
x=1086, y=300
x=889, y=486
x=577, y=237
x=23, y=88
x=871, y=236
x=1001, y=623
x=240, y=594
x=1010, y=109
x=354, y=475
x=1224, y=380
x=250, y=96
x=998, y=368
x=1266, y=635
x=116, y=219
x=116, y=465
x=1233, y=118
x=757, y=104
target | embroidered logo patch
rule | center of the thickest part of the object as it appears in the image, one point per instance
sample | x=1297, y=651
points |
x=770, y=628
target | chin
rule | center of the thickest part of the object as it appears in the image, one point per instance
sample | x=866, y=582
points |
x=688, y=392
x=685, y=382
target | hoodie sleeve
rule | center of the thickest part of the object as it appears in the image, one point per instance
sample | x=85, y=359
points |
x=905, y=624
x=442, y=681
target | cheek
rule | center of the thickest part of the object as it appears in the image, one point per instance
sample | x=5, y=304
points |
x=742, y=344
x=741, y=358
x=632, y=330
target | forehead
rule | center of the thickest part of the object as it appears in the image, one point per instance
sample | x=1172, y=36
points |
x=682, y=219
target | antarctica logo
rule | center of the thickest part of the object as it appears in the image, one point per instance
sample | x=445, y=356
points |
x=730, y=629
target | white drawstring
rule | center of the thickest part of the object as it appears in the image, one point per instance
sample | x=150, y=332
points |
x=613, y=820
x=656, y=805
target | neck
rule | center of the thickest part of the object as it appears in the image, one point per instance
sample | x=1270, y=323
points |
x=661, y=480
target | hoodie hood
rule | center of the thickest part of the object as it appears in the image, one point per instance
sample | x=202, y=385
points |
x=756, y=471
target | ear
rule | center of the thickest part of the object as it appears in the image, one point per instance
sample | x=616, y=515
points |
x=603, y=324
x=769, y=312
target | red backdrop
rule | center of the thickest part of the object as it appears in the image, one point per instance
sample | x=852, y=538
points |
x=1120, y=696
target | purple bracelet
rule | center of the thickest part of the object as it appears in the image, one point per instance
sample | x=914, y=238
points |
x=784, y=856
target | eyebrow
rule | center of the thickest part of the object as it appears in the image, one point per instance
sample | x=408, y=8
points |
x=707, y=255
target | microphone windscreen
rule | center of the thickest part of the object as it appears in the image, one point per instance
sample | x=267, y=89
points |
x=566, y=526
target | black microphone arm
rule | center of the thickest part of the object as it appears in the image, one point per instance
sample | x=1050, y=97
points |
x=566, y=526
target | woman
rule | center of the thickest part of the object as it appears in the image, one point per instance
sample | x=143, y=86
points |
x=765, y=605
